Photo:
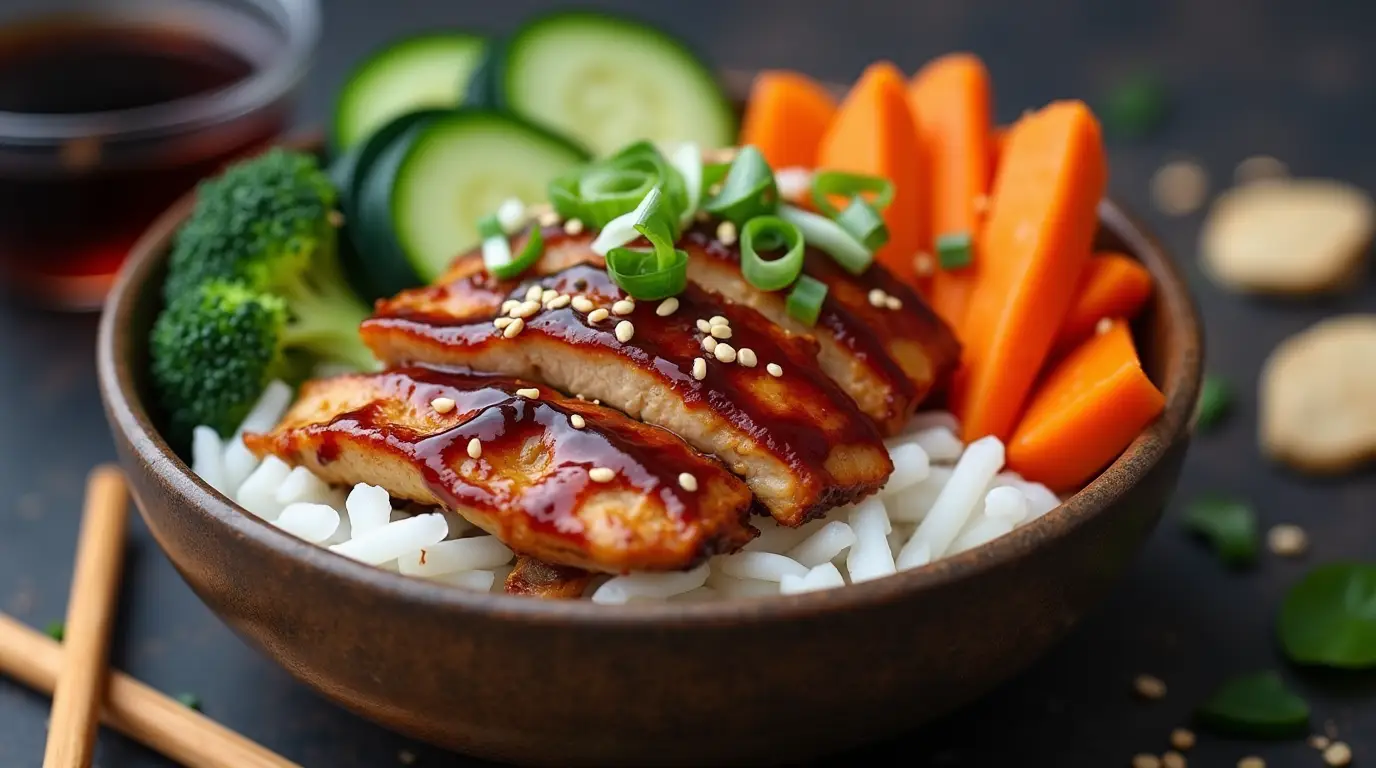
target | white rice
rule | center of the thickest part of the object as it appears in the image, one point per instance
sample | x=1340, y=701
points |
x=942, y=498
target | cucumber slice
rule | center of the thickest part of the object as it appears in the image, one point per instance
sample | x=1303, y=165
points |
x=384, y=273
x=483, y=89
x=606, y=82
x=419, y=204
x=429, y=70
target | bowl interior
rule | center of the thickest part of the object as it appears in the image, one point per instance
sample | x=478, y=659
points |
x=1168, y=336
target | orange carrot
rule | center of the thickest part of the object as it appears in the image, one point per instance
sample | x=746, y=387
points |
x=785, y=117
x=996, y=143
x=1112, y=285
x=950, y=98
x=1089, y=407
x=874, y=133
x=1034, y=246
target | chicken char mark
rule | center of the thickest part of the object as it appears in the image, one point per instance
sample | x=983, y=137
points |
x=800, y=442
x=534, y=481
x=535, y=578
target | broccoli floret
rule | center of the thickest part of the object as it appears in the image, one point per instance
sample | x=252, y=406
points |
x=270, y=224
x=216, y=348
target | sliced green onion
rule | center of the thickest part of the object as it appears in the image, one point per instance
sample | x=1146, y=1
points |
x=954, y=250
x=826, y=184
x=601, y=191
x=770, y=274
x=657, y=273
x=821, y=232
x=530, y=253
x=864, y=223
x=687, y=160
x=714, y=174
x=804, y=302
x=748, y=190
x=190, y=701
x=490, y=226
x=56, y=630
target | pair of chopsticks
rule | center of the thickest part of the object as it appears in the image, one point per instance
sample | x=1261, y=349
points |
x=76, y=671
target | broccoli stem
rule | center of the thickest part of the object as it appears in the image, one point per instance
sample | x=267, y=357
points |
x=325, y=318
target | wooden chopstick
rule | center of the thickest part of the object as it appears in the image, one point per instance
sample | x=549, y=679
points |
x=90, y=613
x=134, y=709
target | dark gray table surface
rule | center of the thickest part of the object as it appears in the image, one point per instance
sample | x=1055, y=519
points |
x=1287, y=79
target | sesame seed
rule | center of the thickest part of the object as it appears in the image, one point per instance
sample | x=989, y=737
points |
x=526, y=309
x=1319, y=741
x=548, y=218
x=442, y=404
x=715, y=189
x=893, y=302
x=1149, y=687
x=579, y=395
x=1338, y=754
x=547, y=295
x=623, y=307
x=877, y=297
x=1146, y=761
x=1182, y=739
x=514, y=329
x=601, y=475
x=725, y=353
x=699, y=368
x=509, y=305
x=687, y=482
x=721, y=331
x=923, y=263
x=533, y=293
x=1287, y=540
x=718, y=320
x=774, y=370
x=624, y=331
x=746, y=357
x=667, y=307
x=503, y=322
x=559, y=302
x=709, y=345
x=726, y=233
x=595, y=401
x=1251, y=762
x=598, y=315
x=704, y=326
x=1172, y=759
x=530, y=392
x=702, y=216
x=1103, y=326
x=1179, y=187
x=577, y=421
x=406, y=757
x=475, y=449
x=583, y=304
x=573, y=227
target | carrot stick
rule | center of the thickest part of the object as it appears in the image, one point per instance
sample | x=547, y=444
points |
x=997, y=140
x=1089, y=407
x=1035, y=245
x=785, y=117
x=950, y=98
x=1113, y=285
x=874, y=133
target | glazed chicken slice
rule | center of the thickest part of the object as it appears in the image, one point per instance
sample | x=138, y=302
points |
x=876, y=337
x=758, y=401
x=535, y=578
x=569, y=482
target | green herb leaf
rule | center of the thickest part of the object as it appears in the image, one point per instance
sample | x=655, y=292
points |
x=190, y=701
x=955, y=250
x=1256, y=706
x=56, y=630
x=1136, y=108
x=1215, y=398
x=1329, y=618
x=1230, y=526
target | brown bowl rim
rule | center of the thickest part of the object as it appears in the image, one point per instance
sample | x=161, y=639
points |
x=1181, y=388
